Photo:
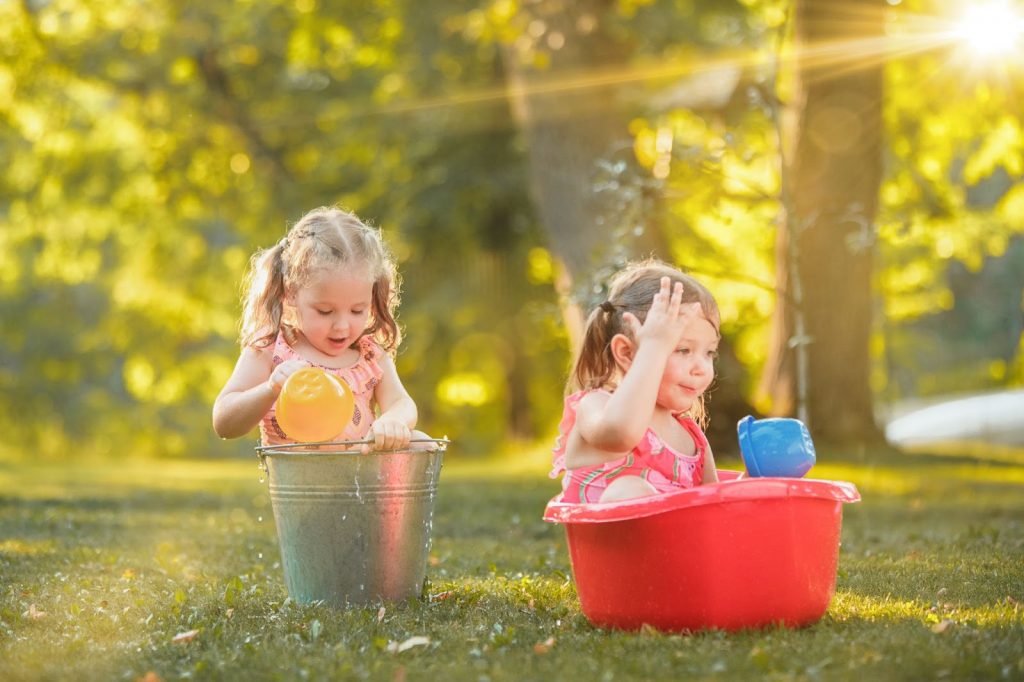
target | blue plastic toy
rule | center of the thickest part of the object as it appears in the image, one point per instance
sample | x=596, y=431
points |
x=775, y=447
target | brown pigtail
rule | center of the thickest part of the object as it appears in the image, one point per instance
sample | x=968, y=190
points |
x=595, y=365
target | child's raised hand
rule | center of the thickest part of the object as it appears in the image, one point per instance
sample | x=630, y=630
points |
x=281, y=374
x=666, y=318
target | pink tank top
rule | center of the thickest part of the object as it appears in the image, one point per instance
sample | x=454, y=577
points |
x=651, y=459
x=362, y=378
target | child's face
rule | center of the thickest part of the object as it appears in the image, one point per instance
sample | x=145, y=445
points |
x=690, y=368
x=333, y=310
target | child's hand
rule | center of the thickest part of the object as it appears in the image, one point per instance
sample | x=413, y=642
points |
x=281, y=374
x=667, y=317
x=389, y=434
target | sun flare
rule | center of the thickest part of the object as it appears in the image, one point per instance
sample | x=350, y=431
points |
x=991, y=29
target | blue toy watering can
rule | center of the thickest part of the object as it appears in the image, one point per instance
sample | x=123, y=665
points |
x=775, y=447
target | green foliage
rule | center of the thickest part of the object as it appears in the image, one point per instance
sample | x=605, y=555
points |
x=976, y=341
x=952, y=199
x=150, y=147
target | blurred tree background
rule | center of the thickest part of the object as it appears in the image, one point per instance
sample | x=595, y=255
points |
x=514, y=153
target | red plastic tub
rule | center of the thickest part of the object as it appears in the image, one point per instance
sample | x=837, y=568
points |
x=738, y=554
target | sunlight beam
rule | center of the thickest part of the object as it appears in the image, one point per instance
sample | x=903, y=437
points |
x=989, y=29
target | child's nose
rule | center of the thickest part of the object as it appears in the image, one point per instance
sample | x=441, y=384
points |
x=703, y=366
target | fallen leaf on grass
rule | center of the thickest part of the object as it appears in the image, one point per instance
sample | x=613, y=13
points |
x=149, y=677
x=544, y=647
x=34, y=613
x=440, y=596
x=418, y=640
x=942, y=626
x=184, y=637
x=380, y=614
x=760, y=658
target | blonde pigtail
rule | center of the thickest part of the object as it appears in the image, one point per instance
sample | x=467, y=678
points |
x=263, y=298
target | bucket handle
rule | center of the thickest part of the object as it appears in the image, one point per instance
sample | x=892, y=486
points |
x=261, y=450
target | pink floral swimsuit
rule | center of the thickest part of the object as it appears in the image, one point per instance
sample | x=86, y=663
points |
x=362, y=378
x=651, y=459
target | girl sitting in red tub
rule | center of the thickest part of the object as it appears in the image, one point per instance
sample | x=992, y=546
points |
x=631, y=425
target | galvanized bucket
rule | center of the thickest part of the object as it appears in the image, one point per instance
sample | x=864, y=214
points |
x=354, y=527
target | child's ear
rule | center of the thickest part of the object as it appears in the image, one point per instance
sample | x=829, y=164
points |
x=622, y=350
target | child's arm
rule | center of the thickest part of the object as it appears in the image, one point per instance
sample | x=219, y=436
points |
x=392, y=429
x=250, y=392
x=617, y=422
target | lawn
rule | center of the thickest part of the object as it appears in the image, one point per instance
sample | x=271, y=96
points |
x=170, y=570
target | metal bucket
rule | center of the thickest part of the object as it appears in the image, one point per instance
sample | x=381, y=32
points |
x=354, y=528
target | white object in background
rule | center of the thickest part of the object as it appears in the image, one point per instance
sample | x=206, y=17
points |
x=994, y=418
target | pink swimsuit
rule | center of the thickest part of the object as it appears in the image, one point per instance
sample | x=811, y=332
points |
x=362, y=378
x=651, y=459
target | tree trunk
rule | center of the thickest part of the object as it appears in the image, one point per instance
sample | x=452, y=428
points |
x=833, y=180
x=570, y=122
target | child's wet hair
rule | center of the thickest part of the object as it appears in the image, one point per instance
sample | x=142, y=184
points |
x=326, y=238
x=631, y=290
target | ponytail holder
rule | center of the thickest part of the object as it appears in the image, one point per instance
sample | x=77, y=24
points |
x=607, y=306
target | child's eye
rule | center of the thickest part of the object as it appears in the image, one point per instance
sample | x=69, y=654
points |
x=324, y=312
x=683, y=351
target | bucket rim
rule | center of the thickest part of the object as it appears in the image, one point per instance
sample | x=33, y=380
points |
x=347, y=445
x=730, y=490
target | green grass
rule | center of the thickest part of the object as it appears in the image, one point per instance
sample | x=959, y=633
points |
x=104, y=564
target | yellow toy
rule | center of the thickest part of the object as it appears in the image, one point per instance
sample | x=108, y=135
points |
x=314, y=405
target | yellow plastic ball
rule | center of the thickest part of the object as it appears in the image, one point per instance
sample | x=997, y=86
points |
x=314, y=406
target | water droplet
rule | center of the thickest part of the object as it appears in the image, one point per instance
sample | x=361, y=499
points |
x=260, y=519
x=260, y=555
